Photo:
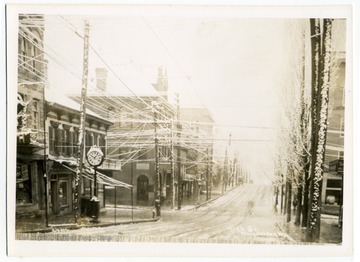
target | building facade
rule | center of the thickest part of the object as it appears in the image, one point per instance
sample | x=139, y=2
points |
x=334, y=152
x=141, y=122
x=63, y=124
x=197, y=133
x=30, y=116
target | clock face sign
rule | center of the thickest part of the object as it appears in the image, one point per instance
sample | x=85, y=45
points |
x=95, y=156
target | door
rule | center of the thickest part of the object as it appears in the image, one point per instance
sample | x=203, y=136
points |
x=55, y=208
x=60, y=194
x=142, y=188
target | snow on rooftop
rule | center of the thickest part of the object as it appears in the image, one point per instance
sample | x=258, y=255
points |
x=56, y=96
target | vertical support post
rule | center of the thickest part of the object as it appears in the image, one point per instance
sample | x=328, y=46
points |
x=80, y=153
x=224, y=180
x=172, y=169
x=95, y=182
x=115, y=204
x=178, y=160
x=131, y=191
x=207, y=174
x=45, y=164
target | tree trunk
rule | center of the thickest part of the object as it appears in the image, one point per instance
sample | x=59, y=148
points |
x=306, y=197
x=276, y=199
x=299, y=197
x=288, y=202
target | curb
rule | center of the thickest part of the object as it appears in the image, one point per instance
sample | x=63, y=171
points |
x=75, y=227
x=213, y=199
x=288, y=237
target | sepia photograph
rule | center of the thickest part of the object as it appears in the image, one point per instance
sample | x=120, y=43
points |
x=212, y=128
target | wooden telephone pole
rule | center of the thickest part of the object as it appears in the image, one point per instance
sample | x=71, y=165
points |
x=80, y=153
x=178, y=160
x=157, y=165
x=321, y=48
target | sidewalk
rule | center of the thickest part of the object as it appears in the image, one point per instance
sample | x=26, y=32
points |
x=123, y=214
x=107, y=217
x=330, y=233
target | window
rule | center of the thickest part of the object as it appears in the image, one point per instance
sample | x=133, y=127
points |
x=59, y=140
x=75, y=142
x=51, y=140
x=35, y=115
x=341, y=154
x=22, y=50
x=88, y=140
x=164, y=153
x=142, y=154
x=342, y=127
x=21, y=109
x=33, y=56
x=341, y=80
x=66, y=144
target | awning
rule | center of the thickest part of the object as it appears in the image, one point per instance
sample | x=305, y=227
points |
x=103, y=179
x=88, y=172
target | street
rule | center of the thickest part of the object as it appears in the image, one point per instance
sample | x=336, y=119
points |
x=242, y=215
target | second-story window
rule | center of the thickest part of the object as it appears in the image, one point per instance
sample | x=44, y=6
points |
x=22, y=51
x=88, y=141
x=75, y=142
x=102, y=143
x=33, y=57
x=51, y=140
x=35, y=115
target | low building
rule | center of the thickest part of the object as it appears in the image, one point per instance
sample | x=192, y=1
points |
x=331, y=197
x=30, y=190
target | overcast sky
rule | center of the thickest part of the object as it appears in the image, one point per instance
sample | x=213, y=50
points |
x=229, y=64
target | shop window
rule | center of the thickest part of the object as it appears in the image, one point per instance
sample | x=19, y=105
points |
x=23, y=185
x=333, y=183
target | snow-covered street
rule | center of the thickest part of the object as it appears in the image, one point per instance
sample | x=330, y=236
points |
x=243, y=215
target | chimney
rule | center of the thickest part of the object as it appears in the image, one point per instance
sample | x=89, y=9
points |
x=162, y=82
x=101, y=78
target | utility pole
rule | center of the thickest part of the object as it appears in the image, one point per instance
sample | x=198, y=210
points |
x=224, y=180
x=178, y=160
x=207, y=174
x=322, y=79
x=157, y=166
x=80, y=153
x=211, y=169
x=304, y=159
x=172, y=169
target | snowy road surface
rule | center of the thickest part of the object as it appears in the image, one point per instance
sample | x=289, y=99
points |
x=242, y=215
